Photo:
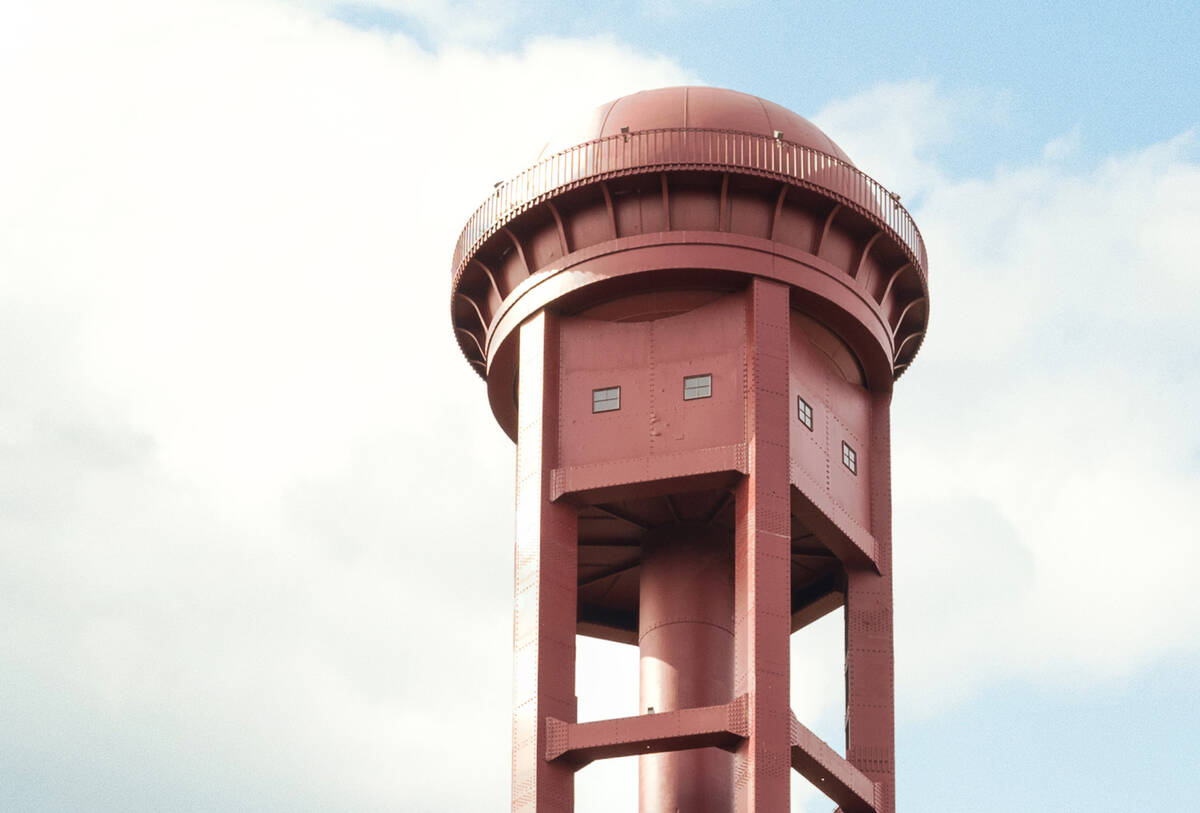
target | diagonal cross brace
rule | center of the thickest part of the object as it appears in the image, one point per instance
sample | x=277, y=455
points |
x=830, y=773
x=721, y=726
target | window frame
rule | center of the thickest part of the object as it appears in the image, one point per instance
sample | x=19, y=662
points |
x=804, y=412
x=697, y=376
x=603, y=403
x=850, y=461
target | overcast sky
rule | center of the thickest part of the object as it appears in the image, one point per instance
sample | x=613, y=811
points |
x=256, y=518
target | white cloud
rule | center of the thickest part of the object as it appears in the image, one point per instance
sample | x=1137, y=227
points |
x=462, y=21
x=1044, y=446
x=487, y=23
x=236, y=554
x=1063, y=147
x=891, y=130
x=237, y=572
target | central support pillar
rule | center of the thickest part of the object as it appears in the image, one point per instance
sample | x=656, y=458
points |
x=685, y=634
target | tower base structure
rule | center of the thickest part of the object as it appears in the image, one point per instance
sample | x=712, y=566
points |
x=691, y=330
x=730, y=557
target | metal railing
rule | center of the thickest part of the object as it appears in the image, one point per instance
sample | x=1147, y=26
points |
x=690, y=148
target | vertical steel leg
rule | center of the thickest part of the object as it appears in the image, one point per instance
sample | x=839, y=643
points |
x=762, y=559
x=870, y=681
x=544, y=615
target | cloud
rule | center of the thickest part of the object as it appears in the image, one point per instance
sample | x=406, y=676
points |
x=892, y=131
x=475, y=22
x=1063, y=147
x=243, y=568
x=499, y=23
x=1044, y=440
x=240, y=568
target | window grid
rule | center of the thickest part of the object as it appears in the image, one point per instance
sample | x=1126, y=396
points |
x=849, y=458
x=804, y=413
x=697, y=386
x=606, y=399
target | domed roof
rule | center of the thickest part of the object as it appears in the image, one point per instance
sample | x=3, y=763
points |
x=703, y=107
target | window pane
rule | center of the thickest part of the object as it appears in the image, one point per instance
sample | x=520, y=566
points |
x=607, y=399
x=697, y=386
x=804, y=412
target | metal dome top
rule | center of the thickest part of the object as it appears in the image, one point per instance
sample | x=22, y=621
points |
x=696, y=107
x=766, y=175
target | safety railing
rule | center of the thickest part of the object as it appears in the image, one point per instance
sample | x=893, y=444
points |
x=688, y=148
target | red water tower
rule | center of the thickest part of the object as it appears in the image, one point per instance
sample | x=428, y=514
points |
x=689, y=316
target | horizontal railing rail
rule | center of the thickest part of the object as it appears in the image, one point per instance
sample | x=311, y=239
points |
x=690, y=148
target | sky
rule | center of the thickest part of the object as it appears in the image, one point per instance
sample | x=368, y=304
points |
x=255, y=515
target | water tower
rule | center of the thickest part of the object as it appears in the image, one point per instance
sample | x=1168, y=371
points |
x=689, y=317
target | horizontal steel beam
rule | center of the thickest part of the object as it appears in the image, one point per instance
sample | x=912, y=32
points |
x=579, y=743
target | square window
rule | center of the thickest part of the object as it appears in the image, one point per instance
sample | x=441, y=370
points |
x=607, y=399
x=804, y=412
x=849, y=458
x=697, y=386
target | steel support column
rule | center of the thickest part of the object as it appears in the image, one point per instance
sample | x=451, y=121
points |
x=545, y=584
x=870, y=682
x=762, y=560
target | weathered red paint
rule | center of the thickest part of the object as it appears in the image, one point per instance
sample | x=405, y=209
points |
x=697, y=232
